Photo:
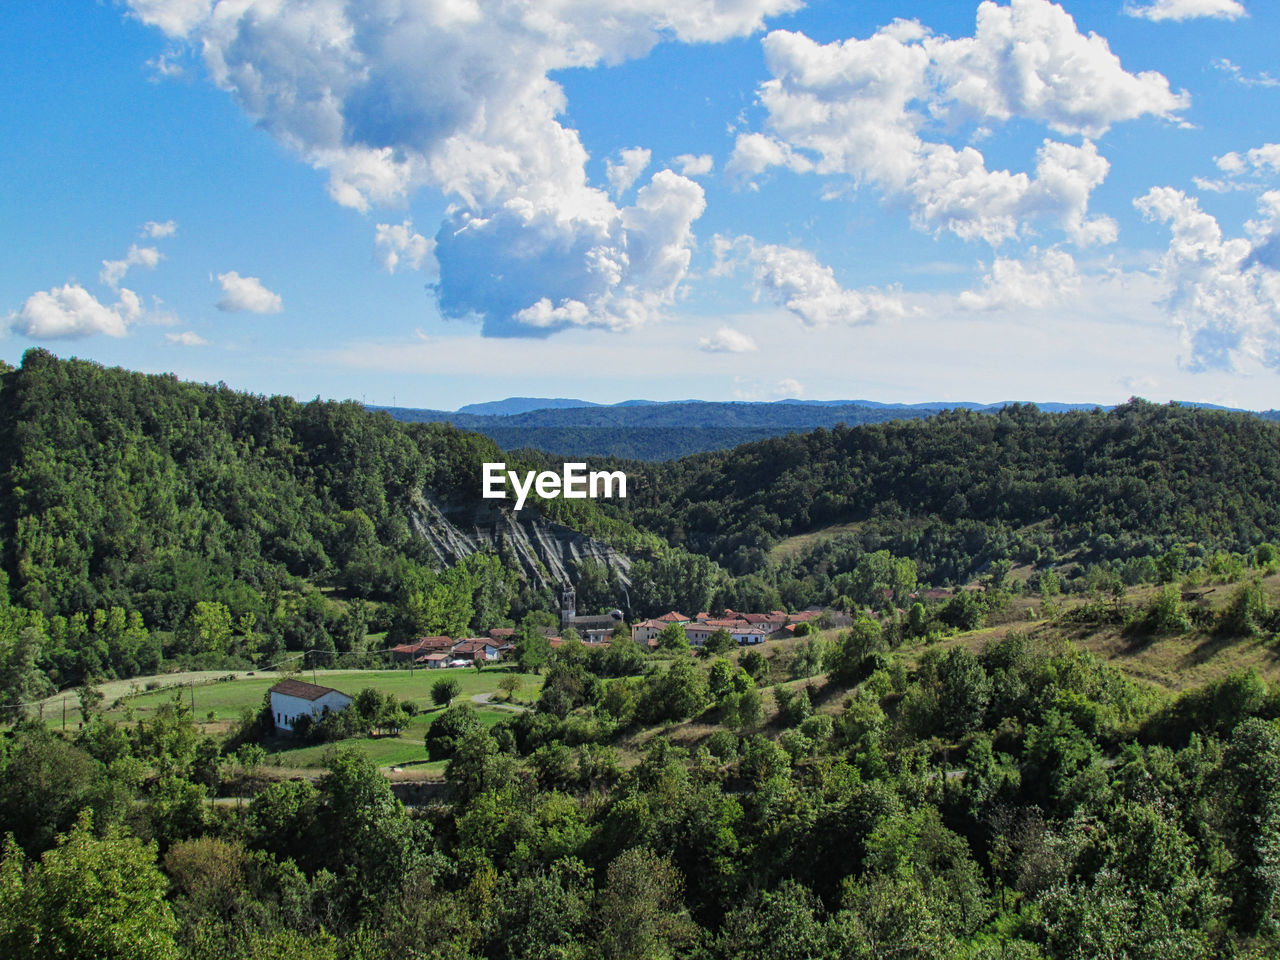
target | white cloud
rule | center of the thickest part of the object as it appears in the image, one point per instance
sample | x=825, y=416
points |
x=627, y=170
x=1263, y=79
x=862, y=108
x=747, y=389
x=246, y=295
x=399, y=243
x=695, y=165
x=70, y=311
x=1244, y=171
x=728, y=340
x=156, y=230
x=1223, y=292
x=187, y=338
x=753, y=153
x=795, y=280
x=1187, y=9
x=1043, y=280
x=389, y=98
x=113, y=271
x=164, y=68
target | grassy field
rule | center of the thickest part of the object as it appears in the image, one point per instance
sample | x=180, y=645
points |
x=218, y=703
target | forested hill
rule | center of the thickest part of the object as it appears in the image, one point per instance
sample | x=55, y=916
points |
x=659, y=431
x=962, y=488
x=645, y=430
x=151, y=494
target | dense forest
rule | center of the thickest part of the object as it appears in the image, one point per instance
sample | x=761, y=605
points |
x=900, y=785
x=145, y=520
x=963, y=489
x=639, y=430
x=142, y=518
x=1014, y=798
x=661, y=431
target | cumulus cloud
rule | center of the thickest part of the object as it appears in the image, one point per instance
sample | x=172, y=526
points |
x=113, y=271
x=246, y=295
x=728, y=340
x=695, y=165
x=70, y=312
x=399, y=243
x=1244, y=171
x=795, y=280
x=156, y=230
x=1040, y=281
x=392, y=97
x=187, y=338
x=1223, y=292
x=627, y=170
x=525, y=272
x=1187, y=9
x=863, y=109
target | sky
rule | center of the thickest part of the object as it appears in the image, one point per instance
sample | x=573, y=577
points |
x=438, y=202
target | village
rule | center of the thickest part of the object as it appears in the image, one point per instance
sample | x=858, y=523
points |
x=293, y=698
x=597, y=630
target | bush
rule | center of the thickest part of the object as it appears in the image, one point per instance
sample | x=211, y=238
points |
x=444, y=690
x=722, y=745
x=448, y=730
x=818, y=728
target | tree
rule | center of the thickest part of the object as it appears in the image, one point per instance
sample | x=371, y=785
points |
x=208, y=628
x=966, y=692
x=718, y=643
x=679, y=693
x=533, y=649
x=510, y=684
x=859, y=642
x=673, y=639
x=22, y=681
x=87, y=899
x=640, y=913
x=1252, y=764
x=448, y=730
x=444, y=690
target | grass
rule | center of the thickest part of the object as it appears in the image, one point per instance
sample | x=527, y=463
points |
x=225, y=700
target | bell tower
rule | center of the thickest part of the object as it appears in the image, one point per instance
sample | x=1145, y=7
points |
x=568, y=605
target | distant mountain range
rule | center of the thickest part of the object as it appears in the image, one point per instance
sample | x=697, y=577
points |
x=662, y=430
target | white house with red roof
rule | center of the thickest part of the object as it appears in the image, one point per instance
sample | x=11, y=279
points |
x=291, y=699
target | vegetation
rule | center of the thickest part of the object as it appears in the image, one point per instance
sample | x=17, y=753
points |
x=944, y=776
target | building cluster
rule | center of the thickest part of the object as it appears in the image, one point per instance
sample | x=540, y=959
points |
x=743, y=628
x=439, y=652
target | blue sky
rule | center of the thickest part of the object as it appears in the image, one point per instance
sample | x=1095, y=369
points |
x=438, y=203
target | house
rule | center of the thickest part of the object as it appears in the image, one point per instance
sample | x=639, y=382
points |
x=434, y=661
x=291, y=699
x=477, y=648
x=411, y=652
x=673, y=616
x=646, y=630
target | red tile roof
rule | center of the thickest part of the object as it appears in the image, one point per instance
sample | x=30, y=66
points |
x=302, y=690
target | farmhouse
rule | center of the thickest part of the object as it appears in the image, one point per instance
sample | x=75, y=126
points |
x=478, y=648
x=409, y=652
x=291, y=699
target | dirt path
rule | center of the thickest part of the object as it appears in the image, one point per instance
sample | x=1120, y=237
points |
x=486, y=700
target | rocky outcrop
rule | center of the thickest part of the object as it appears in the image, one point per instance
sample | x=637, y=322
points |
x=547, y=552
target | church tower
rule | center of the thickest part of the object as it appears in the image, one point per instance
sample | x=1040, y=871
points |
x=568, y=606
